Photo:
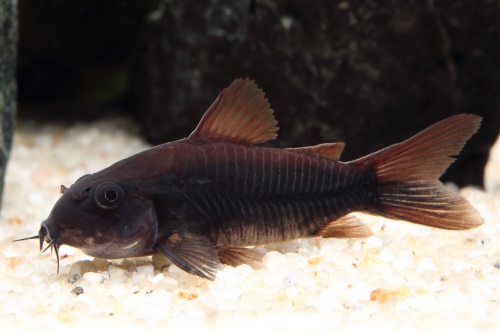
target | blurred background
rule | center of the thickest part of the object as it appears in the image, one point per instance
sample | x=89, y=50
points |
x=368, y=73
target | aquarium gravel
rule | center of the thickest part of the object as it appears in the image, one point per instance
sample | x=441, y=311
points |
x=404, y=278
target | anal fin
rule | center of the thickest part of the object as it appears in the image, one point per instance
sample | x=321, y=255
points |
x=348, y=226
x=196, y=255
x=235, y=256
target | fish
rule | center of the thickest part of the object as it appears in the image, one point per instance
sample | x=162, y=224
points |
x=212, y=197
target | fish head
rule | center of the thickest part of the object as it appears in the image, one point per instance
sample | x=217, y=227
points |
x=106, y=219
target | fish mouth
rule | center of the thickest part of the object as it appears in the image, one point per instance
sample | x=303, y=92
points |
x=44, y=235
x=50, y=236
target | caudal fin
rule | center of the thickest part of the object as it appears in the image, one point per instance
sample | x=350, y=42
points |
x=407, y=176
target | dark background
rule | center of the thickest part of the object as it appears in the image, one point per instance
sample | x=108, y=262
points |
x=368, y=73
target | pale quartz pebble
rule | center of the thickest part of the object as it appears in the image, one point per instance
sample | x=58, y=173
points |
x=478, y=288
x=458, y=267
x=174, y=270
x=491, y=281
x=427, y=264
x=429, y=275
x=146, y=269
x=81, y=267
x=291, y=292
x=127, y=263
x=284, y=275
x=359, y=291
x=68, y=250
x=63, y=308
x=296, y=259
x=161, y=296
x=135, y=278
x=452, y=282
x=158, y=278
x=135, y=289
x=228, y=274
x=403, y=260
x=314, y=259
x=474, y=254
x=37, y=279
x=160, y=261
x=15, y=303
x=374, y=241
x=41, y=261
x=120, y=289
x=229, y=293
x=387, y=255
x=333, y=244
x=96, y=289
x=91, y=277
x=374, y=262
x=58, y=299
x=171, y=281
x=337, y=257
x=101, y=264
x=442, y=255
x=113, y=271
x=105, y=275
x=401, y=307
x=305, y=311
x=357, y=246
x=81, y=307
x=35, y=198
x=244, y=270
x=109, y=304
x=55, y=287
x=116, y=279
x=274, y=260
x=402, y=264
x=428, y=250
x=322, y=278
x=24, y=268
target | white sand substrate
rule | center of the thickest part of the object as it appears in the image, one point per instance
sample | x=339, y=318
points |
x=405, y=278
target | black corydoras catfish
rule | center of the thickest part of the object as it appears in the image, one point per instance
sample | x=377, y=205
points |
x=200, y=200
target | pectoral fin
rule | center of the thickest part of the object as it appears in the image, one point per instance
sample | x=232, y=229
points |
x=196, y=255
x=348, y=226
x=235, y=256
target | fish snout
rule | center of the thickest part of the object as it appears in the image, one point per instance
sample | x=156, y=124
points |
x=49, y=233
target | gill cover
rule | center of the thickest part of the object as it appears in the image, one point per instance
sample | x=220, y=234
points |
x=137, y=230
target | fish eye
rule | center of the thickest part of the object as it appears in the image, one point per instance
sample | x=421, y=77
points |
x=109, y=195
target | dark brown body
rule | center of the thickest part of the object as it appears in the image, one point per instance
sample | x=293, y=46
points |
x=198, y=201
x=247, y=195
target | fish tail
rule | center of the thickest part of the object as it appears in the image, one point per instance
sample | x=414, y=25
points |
x=407, y=176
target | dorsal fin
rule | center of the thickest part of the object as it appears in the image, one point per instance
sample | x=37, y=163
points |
x=240, y=115
x=330, y=151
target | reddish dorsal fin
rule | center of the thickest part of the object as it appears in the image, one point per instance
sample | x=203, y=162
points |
x=330, y=151
x=240, y=115
x=348, y=226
